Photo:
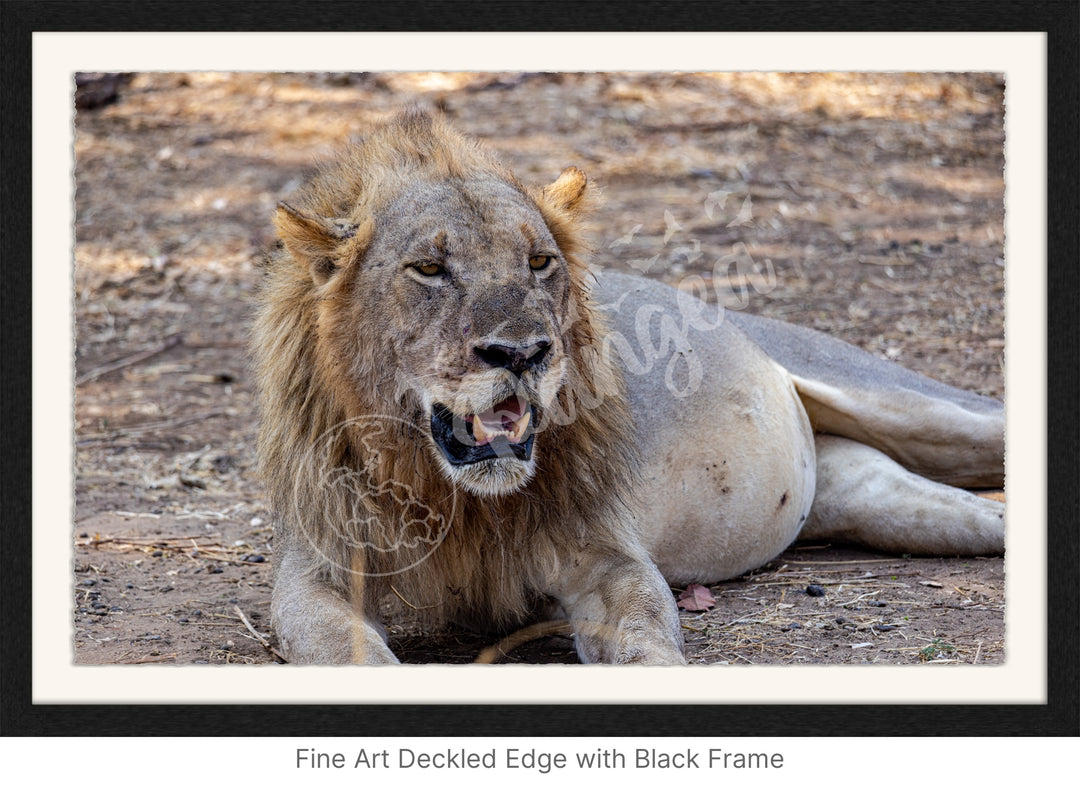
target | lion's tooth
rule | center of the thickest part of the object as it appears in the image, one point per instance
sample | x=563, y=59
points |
x=484, y=433
x=479, y=432
x=521, y=425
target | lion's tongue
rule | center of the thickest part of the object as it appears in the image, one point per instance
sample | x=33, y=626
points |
x=508, y=418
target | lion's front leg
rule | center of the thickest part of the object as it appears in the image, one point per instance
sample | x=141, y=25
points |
x=315, y=624
x=621, y=612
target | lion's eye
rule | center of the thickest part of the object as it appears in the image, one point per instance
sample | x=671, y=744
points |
x=428, y=268
x=539, y=262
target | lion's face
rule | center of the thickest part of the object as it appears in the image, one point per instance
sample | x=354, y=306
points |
x=476, y=288
x=448, y=291
x=472, y=292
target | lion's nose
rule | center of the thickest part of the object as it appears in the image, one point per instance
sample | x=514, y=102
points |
x=517, y=359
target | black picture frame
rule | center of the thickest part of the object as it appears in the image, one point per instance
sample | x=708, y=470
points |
x=1059, y=716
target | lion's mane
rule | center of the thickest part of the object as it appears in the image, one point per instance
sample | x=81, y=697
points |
x=449, y=553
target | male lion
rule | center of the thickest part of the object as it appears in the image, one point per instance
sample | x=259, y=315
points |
x=454, y=410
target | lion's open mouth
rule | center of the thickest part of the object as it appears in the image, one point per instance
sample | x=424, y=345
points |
x=505, y=430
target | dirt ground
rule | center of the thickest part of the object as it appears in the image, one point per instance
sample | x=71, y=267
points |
x=868, y=206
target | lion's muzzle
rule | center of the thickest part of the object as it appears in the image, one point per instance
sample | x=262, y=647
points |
x=506, y=430
x=516, y=359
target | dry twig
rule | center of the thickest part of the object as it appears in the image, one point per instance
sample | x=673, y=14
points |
x=258, y=636
x=124, y=362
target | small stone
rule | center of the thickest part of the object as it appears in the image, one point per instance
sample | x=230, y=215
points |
x=157, y=553
x=815, y=590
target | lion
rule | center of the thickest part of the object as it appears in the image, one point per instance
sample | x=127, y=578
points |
x=456, y=409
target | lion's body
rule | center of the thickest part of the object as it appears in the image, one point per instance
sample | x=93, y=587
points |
x=733, y=469
x=450, y=410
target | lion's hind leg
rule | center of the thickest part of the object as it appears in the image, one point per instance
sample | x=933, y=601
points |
x=940, y=432
x=943, y=440
x=864, y=497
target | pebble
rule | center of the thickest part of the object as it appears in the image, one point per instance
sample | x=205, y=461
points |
x=815, y=590
x=215, y=569
x=254, y=558
x=157, y=553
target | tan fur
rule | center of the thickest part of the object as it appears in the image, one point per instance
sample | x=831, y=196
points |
x=419, y=286
x=320, y=364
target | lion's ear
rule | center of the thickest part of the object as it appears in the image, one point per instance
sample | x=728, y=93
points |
x=563, y=204
x=315, y=241
x=568, y=191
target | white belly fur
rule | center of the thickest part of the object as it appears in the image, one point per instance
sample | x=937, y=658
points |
x=728, y=452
